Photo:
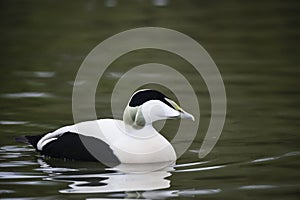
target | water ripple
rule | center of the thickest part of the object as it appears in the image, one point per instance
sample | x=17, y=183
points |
x=13, y=122
x=27, y=95
x=19, y=175
x=163, y=194
x=17, y=164
x=17, y=149
x=294, y=153
x=38, y=74
x=191, y=164
x=201, y=168
x=253, y=187
x=44, y=74
x=7, y=191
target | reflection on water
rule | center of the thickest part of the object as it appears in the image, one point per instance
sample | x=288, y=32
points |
x=119, y=182
x=105, y=182
x=94, y=178
x=83, y=177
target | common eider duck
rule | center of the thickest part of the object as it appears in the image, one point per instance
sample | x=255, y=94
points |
x=111, y=141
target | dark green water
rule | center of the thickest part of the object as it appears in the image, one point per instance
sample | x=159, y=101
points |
x=255, y=44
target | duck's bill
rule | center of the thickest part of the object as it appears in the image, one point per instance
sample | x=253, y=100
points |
x=182, y=113
x=186, y=115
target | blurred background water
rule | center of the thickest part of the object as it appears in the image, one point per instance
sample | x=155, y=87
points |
x=255, y=44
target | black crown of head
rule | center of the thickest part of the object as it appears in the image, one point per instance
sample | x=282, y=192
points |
x=143, y=96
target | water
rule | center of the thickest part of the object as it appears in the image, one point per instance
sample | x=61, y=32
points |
x=255, y=46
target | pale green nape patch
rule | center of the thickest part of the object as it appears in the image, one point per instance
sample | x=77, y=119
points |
x=134, y=117
x=139, y=119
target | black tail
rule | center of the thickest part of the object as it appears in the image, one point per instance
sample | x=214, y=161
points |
x=33, y=140
x=22, y=139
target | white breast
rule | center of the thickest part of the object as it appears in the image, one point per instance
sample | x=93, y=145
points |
x=130, y=145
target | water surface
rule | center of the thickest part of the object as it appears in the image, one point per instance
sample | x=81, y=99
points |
x=254, y=44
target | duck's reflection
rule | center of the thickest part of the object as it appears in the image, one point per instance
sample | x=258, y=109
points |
x=95, y=178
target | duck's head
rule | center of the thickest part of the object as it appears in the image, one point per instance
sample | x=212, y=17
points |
x=147, y=106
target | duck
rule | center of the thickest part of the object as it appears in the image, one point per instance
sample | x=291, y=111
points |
x=112, y=141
